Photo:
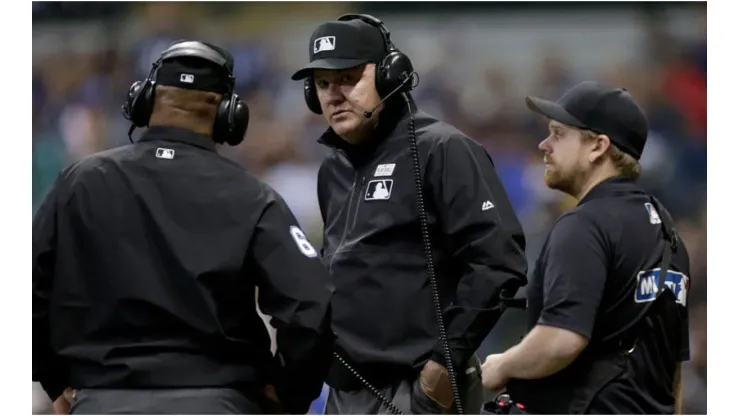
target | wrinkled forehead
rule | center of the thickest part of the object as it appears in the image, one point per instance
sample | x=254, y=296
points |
x=335, y=74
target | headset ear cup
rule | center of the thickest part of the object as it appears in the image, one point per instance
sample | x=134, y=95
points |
x=240, y=123
x=231, y=132
x=391, y=72
x=139, y=103
x=311, y=97
x=128, y=107
x=221, y=124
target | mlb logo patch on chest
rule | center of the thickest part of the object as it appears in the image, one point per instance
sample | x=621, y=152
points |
x=379, y=190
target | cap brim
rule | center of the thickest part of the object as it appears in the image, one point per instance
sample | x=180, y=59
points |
x=553, y=111
x=327, y=63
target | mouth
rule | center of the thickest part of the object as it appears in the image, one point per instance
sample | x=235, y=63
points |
x=339, y=113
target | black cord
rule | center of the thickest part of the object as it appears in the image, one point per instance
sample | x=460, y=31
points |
x=430, y=260
x=369, y=386
x=432, y=279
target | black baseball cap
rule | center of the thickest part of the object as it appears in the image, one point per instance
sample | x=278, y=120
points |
x=342, y=45
x=602, y=109
x=195, y=73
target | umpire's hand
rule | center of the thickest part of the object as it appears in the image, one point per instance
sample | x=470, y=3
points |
x=62, y=404
x=493, y=377
x=272, y=404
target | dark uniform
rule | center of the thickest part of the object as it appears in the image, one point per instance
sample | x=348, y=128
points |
x=382, y=310
x=145, y=263
x=599, y=275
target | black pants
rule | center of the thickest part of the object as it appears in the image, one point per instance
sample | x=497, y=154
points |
x=218, y=401
x=408, y=397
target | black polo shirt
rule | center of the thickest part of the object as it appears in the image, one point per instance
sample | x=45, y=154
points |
x=594, y=276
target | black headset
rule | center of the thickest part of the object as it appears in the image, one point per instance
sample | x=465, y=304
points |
x=390, y=73
x=232, y=117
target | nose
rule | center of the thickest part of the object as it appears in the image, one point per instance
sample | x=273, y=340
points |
x=544, y=145
x=334, y=93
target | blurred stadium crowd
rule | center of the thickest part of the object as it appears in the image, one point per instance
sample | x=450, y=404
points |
x=476, y=63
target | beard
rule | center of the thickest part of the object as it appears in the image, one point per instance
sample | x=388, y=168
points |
x=560, y=180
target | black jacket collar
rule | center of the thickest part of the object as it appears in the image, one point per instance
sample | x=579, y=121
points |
x=176, y=134
x=391, y=123
x=614, y=186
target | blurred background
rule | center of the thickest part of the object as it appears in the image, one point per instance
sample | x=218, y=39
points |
x=476, y=62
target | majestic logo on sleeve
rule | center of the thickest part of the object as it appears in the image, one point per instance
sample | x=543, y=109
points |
x=647, y=285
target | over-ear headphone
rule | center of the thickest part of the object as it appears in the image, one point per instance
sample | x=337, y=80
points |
x=232, y=117
x=392, y=70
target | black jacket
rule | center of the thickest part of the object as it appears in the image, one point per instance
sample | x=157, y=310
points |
x=382, y=309
x=145, y=263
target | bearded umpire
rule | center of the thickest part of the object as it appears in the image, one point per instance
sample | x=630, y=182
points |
x=607, y=303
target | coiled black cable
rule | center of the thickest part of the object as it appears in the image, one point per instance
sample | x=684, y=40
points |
x=369, y=386
x=426, y=239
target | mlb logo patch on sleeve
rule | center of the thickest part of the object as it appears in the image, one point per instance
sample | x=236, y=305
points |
x=379, y=189
x=652, y=213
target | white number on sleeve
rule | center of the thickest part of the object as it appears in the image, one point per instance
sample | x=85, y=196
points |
x=303, y=244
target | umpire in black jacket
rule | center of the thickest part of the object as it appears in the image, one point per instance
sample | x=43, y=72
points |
x=383, y=310
x=146, y=259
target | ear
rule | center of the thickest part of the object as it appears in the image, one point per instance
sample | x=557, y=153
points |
x=599, y=147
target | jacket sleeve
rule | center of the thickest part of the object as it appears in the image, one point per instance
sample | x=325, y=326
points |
x=294, y=290
x=483, y=238
x=47, y=369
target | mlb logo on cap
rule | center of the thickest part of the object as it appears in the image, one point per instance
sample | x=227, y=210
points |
x=326, y=43
x=187, y=78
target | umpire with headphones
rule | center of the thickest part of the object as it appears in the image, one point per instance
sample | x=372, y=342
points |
x=419, y=235
x=146, y=259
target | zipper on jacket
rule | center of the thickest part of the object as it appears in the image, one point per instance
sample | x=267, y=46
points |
x=351, y=214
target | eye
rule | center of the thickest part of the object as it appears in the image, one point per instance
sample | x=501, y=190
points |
x=348, y=79
x=322, y=84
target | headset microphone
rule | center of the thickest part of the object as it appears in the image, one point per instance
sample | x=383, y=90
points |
x=414, y=75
